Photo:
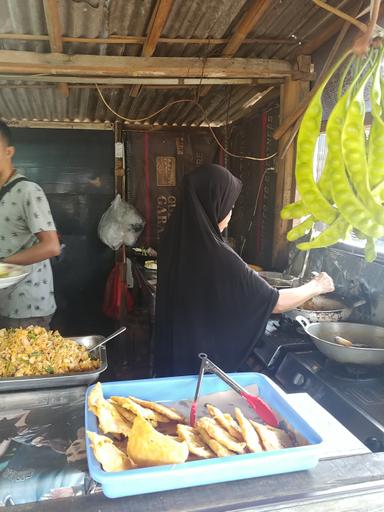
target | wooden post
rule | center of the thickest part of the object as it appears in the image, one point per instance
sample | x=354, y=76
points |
x=119, y=161
x=290, y=95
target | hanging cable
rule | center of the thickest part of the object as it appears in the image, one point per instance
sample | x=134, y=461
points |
x=203, y=111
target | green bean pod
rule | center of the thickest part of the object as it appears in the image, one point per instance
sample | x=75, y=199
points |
x=313, y=199
x=298, y=209
x=370, y=252
x=331, y=235
x=301, y=229
x=294, y=210
x=354, y=151
x=349, y=206
x=376, y=134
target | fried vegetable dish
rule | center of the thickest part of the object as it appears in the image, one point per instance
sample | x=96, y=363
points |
x=36, y=351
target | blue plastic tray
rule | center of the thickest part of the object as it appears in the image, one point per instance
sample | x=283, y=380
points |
x=203, y=472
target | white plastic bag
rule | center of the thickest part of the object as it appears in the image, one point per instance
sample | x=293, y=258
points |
x=120, y=224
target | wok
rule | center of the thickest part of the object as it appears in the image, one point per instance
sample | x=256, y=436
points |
x=325, y=308
x=323, y=335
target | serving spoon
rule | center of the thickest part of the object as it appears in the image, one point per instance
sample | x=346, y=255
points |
x=347, y=343
x=108, y=338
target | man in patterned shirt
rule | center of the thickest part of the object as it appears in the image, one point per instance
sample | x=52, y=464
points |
x=27, y=237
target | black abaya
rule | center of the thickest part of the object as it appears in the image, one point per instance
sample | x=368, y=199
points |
x=208, y=299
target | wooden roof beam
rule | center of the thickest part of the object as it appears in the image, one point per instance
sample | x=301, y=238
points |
x=52, y=18
x=156, y=25
x=115, y=39
x=29, y=63
x=325, y=34
x=253, y=14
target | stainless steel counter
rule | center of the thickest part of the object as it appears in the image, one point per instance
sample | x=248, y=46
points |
x=346, y=473
x=345, y=484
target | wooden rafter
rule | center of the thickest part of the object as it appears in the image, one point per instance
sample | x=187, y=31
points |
x=141, y=40
x=52, y=18
x=29, y=63
x=253, y=14
x=124, y=81
x=156, y=25
x=326, y=33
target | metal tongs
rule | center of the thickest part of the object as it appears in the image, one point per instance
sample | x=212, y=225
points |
x=262, y=409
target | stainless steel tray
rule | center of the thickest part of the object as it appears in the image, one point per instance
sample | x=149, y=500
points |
x=64, y=379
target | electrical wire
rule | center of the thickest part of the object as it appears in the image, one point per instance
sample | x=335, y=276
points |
x=203, y=111
x=254, y=211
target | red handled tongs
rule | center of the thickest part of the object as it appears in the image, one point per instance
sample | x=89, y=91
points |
x=192, y=415
x=262, y=409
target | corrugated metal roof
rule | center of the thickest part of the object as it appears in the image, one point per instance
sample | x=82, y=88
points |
x=298, y=20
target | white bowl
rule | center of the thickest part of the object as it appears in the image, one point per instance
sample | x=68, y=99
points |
x=14, y=274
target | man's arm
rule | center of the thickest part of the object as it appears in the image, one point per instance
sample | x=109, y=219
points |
x=47, y=247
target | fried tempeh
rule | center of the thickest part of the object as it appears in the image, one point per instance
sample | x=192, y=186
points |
x=132, y=406
x=110, y=421
x=159, y=408
x=226, y=421
x=249, y=433
x=194, y=441
x=94, y=397
x=169, y=428
x=216, y=432
x=127, y=415
x=109, y=456
x=147, y=447
x=271, y=438
x=217, y=448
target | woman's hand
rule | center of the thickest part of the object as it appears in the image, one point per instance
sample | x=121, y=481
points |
x=323, y=283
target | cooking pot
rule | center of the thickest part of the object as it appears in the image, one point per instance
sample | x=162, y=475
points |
x=329, y=307
x=323, y=335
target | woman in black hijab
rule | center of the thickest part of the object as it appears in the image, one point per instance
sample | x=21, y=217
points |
x=208, y=299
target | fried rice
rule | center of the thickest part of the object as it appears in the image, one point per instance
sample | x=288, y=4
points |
x=36, y=351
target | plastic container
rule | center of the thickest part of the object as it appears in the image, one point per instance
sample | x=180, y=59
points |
x=209, y=471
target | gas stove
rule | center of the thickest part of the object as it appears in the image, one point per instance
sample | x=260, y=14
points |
x=353, y=394
x=281, y=336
